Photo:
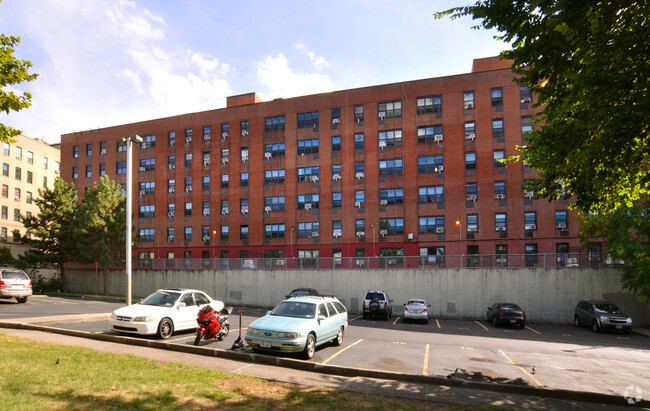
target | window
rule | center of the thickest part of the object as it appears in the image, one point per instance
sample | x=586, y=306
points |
x=148, y=187
x=359, y=225
x=360, y=197
x=501, y=250
x=500, y=221
x=431, y=194
x=146, y=234
x=274, y=231
x=225, y=155
x=243, y=125
x=243, y=205
x=188, y=160
x=432, y=255
x=470, y=130
x=337, y=199
x=499, y=156
x=17, y=194
x=306, y=174
x=171, y=162
x=206, y=158
x=530, y=220
x=102, y=171
x=389, y=109
x=497, y=128
x=274, y=177
x=171, y=185
x=147, y=211
x=470, y=161
x=5, y=191
x=89, y=171
x=205, y=182
x=225, y=130
x=390, y=138
x=206, y=132
x=561, y=219
x=89, y=150
x=336, y=169
x=526, y=125
x=525, y=95
x=471, y=189
x=432, y=225
x=336, y=143
x=5, y=150
x=28, y=197
x=225, y=231
x=4, y=212
x=5, y=169
x=431, y=104
x=391, y=167
x=309, y=119
x=307, y=201
x=75, y=172
x=57, y=165
x=243, y=179
x=170, y=233
x=18, y=173
x=188, y=234
x=308, y=257
x=391, y=226
x=430, y=164
x=205, y=208
x=358, y=140
x=30, y=157
x=499, y=190
x=358, y=114
x=188, y=184
x=307, y=229
x=225, y=180
x=147, y=164
x=188, y=135
x=336, y=115
x=337, y=228
x=102, y=148
x=468, y=100
x=75, y=151
x=308, y=146
x=121, y=146
x=276, y=149
x=472, y=222
x=274, y=123
x=44, y=182
x=497, y=97
x=224, y=206
x=171, y=136
x=243, y=231
x=391, y=196
x=428, y=134
x=359, y=169
x=531, y=254
x=243, y=154
x=274, y=203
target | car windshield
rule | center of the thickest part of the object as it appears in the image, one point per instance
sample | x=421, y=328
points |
x=608, y=308
x=161, y=299
x=300, y=292
x=374, y=296
x=14, y=275
x=509, y=307
x=294, y=309
x=415, y=302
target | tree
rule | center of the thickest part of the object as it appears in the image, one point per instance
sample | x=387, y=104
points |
x=102, y=226
x=12, y=71
x=51, y=232
x=588, y=63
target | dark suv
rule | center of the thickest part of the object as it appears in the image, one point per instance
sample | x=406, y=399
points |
x=377, y=303
x=600, y=314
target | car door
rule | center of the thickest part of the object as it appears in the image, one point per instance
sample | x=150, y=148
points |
x=335, y=320
x=324, y=328
x=187, y=315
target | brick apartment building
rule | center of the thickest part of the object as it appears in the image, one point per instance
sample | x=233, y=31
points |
x=408, y=169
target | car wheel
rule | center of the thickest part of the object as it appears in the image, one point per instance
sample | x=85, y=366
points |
x=365, y=316
x=165, y=328
x=386, y=316
x=594, y=326
x=339, y=337
x=199, y=336
x=310, y=347
x=225, y=329
x=576, y=321
x=522, y=325
x=21, y=300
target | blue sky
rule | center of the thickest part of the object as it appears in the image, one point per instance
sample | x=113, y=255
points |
x=109, y=62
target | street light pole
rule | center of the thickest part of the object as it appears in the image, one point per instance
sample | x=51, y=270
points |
x=291, y=242
x=374, y=247
x=129, y=215
x=214, y=253
x=460, y=238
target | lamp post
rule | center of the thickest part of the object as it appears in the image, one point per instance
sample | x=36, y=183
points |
x=291, y=241
x=460, y=238
x=374, y=248
x=214, y=253
x=129, y=199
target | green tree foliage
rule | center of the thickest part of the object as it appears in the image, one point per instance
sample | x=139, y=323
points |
x=51, y=231
x=588, y=62
x=12, y=71
x=102, y=226
x=5, y=256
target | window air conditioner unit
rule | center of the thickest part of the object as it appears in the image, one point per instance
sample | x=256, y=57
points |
x=468, y=106
x=142, y=169
x=188, y=189
x=171, y=190
x=224, y=160
x=500, y=196
x=314, y=233
x=170, y=238
x=224, y=135
x=336, y=177
x=336, y=233
x=308, y=206
x=314, y=179
x=102, y=151
x=206, y=212
x=502, y=260
x=561, y=225
x=141, y=193
x=437, y=137
x=307, y=178
x=360, y=233
x=171, y=166
x=526, y=100
x=267, y=210
x=279, y=263
x=188, y=139
x=471, y=197
x=530, y=227
x=471, y=229
x=244, y=158
x=206, y=137
x=244, y=132
x=440, y=230
x=267, y=155
x=359, y=176
x=383, y=202
x=360, y=263
x=529, y=194
x=170, y=214
x=224, y=211
x=381, y=115
x=336, y=121
x=440, y=169
x=206, y=238
x=501, y=228
x=244, y=210
x=382, y=144
x=383, y=232
x=206, y=162
x=357, y=204
x=470, y=136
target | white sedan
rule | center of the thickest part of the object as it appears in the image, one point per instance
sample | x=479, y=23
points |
x=416, y=309
x=162, y=313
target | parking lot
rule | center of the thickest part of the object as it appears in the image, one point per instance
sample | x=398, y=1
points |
x=539, y=355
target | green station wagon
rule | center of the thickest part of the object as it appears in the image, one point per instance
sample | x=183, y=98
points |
x=299, y=324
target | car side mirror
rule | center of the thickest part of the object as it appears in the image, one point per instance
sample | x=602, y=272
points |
x=404, y=305
x=489, y=308
x=429, y=305
x=321, y=318
x=268, y=312
x=181, y=305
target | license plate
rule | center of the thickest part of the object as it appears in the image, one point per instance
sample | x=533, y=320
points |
x=19, y=286
x=265, y=344
x=619, y=327
x=513, y=321
x=366, y=310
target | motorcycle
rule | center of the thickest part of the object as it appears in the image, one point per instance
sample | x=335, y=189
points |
x=212, y=324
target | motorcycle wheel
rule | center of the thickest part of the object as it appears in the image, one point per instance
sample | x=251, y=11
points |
x=199, y=336
x=225, y=329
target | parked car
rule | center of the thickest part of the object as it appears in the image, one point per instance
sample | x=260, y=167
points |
x=506, y=313
x=377, y=303
x=162, y=313
x=416, y=309
x=302, y=291
x=299, y=324
x=15, y=283
x=600, y=314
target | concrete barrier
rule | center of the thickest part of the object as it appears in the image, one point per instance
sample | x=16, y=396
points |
x=546, y=294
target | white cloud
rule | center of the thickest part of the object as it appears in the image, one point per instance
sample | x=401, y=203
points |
x=281, y=81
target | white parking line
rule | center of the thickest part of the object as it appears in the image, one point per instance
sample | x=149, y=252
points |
x=535, y=331
x=425, y=368
x=484, y=327
x=395, y=322
x=339, y=352
x=437, y=323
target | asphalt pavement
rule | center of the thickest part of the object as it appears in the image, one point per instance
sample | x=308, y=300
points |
x=402, y=385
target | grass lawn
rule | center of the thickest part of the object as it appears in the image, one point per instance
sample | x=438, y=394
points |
x=40, y=376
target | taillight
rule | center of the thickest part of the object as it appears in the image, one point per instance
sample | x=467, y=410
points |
x=523, y=315
x=500, y=314
x=2, y=284
x=385, y=305
x=406, y=309
x=30, y=285
x=424, y=310
x=364, y=303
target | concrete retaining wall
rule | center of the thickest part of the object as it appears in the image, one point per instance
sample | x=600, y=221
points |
x=547, y=295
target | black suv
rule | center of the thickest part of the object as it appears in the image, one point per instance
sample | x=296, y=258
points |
x=599, y=314
x=377, y=303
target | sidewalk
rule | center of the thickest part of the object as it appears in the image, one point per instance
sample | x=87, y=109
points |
x=428, y=388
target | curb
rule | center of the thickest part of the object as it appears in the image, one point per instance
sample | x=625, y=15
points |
x=327, y=368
